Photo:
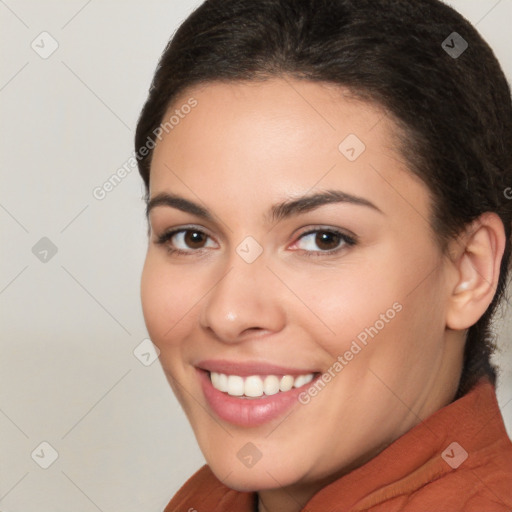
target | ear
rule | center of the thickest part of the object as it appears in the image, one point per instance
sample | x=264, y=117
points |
x=477, y=270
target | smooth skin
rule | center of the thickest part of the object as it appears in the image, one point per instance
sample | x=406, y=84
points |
x=250, y=145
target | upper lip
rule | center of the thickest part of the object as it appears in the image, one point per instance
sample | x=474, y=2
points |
x=246, y=368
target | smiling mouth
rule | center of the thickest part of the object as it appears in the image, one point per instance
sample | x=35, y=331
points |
x=258, y=386
x=254, y=398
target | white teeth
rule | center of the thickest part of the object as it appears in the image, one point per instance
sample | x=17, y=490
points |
x=286, y=383
x=271, y=385
x=254, y=386
x=214, y=377
x=235, y=385
x=219, y=381
x=223, y=382
x=302, y=379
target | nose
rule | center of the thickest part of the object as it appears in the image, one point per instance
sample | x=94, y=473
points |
x=247, y=300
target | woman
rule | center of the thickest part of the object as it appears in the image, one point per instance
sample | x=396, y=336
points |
x=329, y=236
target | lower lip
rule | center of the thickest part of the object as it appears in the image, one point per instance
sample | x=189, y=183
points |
x=248, y=412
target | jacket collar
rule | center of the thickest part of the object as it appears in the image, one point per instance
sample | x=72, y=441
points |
x=432, y=455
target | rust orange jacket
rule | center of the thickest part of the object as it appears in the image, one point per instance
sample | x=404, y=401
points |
x=458, y=459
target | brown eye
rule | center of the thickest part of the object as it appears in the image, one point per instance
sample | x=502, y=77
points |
x=327, y=240
x=319, y=242
x=194, y=239
x=185, y=240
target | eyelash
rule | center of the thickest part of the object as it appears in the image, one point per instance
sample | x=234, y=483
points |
x=347, y=241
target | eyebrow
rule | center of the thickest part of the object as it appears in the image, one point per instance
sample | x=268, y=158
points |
x=276, y=213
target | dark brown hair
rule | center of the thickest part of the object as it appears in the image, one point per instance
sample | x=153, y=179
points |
x=453, y=103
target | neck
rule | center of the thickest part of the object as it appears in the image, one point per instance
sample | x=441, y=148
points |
x=294, y=498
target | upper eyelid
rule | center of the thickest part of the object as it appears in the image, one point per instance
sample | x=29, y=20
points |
x=171, y=232
x=185, y=227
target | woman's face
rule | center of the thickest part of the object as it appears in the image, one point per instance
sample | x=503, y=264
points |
x=349, y=286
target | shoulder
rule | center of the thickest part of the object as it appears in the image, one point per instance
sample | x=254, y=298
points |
x=474, y=457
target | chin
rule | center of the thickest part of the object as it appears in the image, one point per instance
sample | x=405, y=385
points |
x=257, y=478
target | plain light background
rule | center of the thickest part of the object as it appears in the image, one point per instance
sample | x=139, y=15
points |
x=70, y=324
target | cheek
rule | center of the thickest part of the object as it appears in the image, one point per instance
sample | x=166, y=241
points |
x=166, y=302
x=348, y=301
x=386, y=299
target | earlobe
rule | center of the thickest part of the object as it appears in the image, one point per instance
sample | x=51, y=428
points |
x=478, y=270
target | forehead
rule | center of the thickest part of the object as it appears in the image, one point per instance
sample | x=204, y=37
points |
x=265, y=139
x=276, y=115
